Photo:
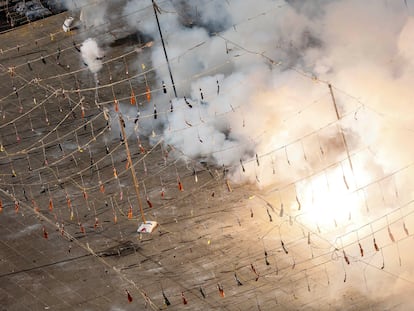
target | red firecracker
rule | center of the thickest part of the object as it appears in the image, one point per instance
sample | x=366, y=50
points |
x=183, y=298
x=45, y=235
x=129, y=296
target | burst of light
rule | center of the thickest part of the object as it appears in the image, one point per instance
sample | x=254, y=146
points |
x=328, y=204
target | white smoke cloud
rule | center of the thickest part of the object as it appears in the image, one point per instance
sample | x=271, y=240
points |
x=91, y=13
x=262, y=66
x=92, y=55
x=264, y=101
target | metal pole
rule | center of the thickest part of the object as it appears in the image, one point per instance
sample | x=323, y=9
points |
x=131, y=167
x=154, y=6
x=342, y=132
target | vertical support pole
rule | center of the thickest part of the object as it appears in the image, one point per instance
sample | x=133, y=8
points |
x=131, y=167
x=155, y=7
x=342, y=133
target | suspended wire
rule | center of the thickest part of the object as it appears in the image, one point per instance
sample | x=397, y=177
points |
x=79, y=173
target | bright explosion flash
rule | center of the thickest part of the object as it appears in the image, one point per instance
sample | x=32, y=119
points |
x=328, y=204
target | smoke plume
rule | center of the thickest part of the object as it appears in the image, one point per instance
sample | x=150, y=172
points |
x=92, y=55
x=276, y=91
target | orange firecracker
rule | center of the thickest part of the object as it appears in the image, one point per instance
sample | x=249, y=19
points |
x=133, y=100
x=35, y=207
x=221, y=290
x=116, y=105
x=102, y=188
x=130, y=213
x=228, y=186
x=180, y=186
x=1, y=206
x=50, y=204
x=69, y=202
x=141, y=148
x=16, y=206
x=148, y=94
